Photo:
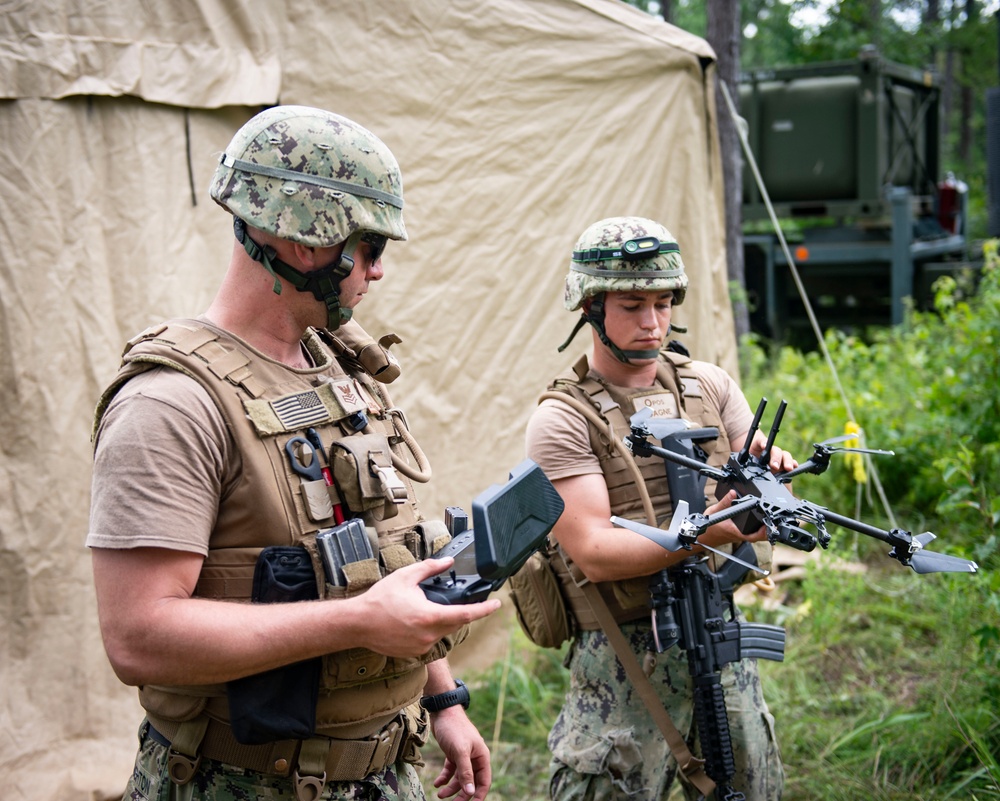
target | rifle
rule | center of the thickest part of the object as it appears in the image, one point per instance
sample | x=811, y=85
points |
x=693, y=606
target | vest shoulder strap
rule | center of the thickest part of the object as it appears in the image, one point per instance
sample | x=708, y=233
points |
x=579, y=383
x=169, y=344
x=174, y=344
x=677, y=359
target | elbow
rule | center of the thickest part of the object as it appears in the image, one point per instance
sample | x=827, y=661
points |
x=596, y=569
x=598, y=573
x=125, y=666
x=125, y=658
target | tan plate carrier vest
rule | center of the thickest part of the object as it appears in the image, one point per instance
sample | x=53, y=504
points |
x=265, y=404
x=676, y=374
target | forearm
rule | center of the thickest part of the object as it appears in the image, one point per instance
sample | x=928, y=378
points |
x=199, y=641
x=439, y=678
x=155, y=632
x=620, y=556
x=608, y=553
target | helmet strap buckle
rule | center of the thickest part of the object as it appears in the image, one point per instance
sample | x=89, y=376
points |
x=323, y=284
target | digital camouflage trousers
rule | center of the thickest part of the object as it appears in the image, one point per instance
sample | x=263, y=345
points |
x=606, y=747
x=216, y=781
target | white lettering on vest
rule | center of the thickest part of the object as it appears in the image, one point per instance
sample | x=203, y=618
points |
x=663, y=404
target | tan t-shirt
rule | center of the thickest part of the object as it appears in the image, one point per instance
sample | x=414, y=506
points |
x=558, y=439
x=164, y=460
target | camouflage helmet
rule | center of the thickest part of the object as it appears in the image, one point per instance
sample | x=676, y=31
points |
x=622, y=254
x=310, y=176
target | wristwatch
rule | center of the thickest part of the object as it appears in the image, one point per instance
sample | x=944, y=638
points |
x=435, y=703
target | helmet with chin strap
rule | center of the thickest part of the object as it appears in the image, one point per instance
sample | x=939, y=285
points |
x=313, y=177
x=621, y=254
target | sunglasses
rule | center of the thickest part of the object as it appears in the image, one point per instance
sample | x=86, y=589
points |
x=376, y=244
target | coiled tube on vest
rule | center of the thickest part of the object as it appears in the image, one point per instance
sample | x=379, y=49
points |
x=422, y=472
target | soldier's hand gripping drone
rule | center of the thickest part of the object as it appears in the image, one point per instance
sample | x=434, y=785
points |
x=693, y=605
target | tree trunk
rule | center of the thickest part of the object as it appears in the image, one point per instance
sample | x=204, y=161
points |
x=723, y=34
x=965, y=96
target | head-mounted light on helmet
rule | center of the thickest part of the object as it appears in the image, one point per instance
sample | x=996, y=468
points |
x=647, y=247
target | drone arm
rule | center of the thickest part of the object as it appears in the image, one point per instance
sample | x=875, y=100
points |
x=641, y=447
x=857, y=525
x=700, y=523
x=813, y=465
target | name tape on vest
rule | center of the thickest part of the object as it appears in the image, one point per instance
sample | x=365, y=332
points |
x=662, y=404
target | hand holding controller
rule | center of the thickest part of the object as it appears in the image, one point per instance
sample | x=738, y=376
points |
x=510, y=522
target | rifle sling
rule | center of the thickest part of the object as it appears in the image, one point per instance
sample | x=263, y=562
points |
x=691, y=767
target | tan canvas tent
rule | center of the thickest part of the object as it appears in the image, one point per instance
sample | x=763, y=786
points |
x=516, y=123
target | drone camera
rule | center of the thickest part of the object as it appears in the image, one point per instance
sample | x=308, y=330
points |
x=796, y=537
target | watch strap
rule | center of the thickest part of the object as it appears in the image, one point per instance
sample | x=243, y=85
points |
x=458, y=696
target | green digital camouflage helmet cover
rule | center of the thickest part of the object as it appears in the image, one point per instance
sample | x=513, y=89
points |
x=310, y=176
x=600, y=265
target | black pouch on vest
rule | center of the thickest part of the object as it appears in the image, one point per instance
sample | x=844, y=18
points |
x=278, y=704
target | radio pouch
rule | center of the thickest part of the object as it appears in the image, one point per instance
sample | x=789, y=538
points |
x=278, y=704
x=539, y=603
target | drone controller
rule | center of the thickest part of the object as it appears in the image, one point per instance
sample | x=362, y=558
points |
x=509, y=523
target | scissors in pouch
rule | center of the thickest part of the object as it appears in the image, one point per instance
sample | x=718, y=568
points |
x=306, y=455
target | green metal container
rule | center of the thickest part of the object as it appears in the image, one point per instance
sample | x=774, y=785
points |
x=830, y=138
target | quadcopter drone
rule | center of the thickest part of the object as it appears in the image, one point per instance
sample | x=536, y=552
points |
x=764, y=499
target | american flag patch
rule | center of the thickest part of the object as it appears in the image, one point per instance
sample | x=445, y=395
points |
x=301, y=409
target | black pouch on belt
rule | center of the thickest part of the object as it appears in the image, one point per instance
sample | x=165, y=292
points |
x=278, y=704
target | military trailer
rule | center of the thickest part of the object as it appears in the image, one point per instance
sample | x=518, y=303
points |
x=849, y=156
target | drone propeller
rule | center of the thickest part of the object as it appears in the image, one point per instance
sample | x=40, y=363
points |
x=924, y=561
x=640, y=418
x=825, y=445
x=873, y=451
x=931, y=562
x=671, y=540
x=834, y=440
x=820, y=460
x=655, y=427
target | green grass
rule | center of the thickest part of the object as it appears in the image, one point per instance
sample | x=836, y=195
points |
x=882, y=695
